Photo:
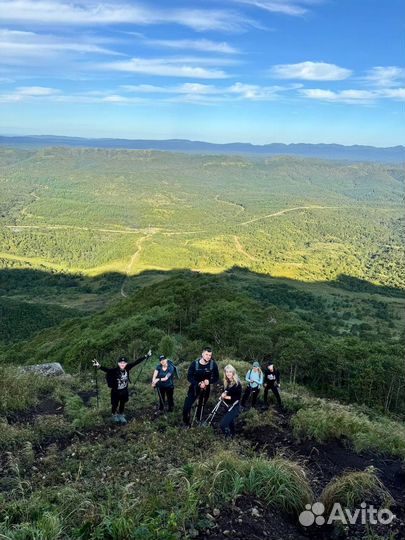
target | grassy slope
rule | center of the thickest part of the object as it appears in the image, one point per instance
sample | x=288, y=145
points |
x=66, y=473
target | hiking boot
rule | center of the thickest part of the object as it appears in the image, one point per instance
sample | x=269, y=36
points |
x=122, y=419
x=115, y=419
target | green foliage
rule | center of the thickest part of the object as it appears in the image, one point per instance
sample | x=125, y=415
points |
x=279, y=482
x=22, y=390
x=353, y=488
x=323, y=421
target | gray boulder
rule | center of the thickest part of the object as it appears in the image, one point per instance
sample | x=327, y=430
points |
x=48, y=370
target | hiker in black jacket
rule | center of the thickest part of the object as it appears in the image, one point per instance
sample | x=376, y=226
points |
x=202, y=373
x=272, y=382
x=231, y=397
x=118, y=380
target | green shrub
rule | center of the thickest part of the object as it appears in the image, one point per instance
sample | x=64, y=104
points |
x=353, y=488
x=225, y=477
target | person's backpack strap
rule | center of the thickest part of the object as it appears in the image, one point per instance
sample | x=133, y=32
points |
x=110, y=378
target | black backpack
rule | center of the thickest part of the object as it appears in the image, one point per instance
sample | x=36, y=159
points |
x=111, y=378
x=197, y=363
x=176, y=370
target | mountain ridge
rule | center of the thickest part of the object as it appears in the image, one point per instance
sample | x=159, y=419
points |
x=393, y=154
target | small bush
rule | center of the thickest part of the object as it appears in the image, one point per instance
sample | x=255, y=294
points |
x=353, y=488
x=279, y=482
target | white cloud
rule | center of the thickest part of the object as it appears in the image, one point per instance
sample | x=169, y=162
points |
x=164, y=67
x=310, y=71
x=28, y=92
x=385, y=76
x=186, y=88
x=37, y=91
x=204, y=45
x=286, y=7
x=89, y=12
x=353, y=96
x=19, y=46
x=255, y=92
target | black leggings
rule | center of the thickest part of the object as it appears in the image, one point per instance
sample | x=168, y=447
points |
x=250, y=391
x=193, y=394
x=165, y=392
x=118, y=399
x=227, y=424
x=275, y=391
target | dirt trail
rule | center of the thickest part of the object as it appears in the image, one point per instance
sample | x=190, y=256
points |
x=135, y=257
x=240, y=207
x=241, y=249
x=281, y=212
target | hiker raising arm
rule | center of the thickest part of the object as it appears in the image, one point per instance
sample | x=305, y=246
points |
x=118, y=379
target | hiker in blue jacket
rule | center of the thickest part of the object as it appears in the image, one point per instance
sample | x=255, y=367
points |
x=254, y=378
x=163, y=381
x=202, y=374
x=118, y=380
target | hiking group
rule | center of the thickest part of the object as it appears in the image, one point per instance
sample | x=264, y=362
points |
x=202, y=374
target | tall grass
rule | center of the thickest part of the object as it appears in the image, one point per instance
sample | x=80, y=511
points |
x=324, y=421
x=353, y=488
x=226, y=476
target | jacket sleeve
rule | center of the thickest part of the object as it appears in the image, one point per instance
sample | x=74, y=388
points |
x=191, y=374
x=106, y=369
x=214, y=374
x=278, y=377
x=136, y=362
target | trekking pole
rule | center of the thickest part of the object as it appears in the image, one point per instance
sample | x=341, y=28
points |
x=202, y=405
x=208, y=421
x=96, y=380
x=159, y=393
x=148, y=357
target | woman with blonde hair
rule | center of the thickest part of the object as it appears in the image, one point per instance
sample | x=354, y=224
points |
x=231, y=397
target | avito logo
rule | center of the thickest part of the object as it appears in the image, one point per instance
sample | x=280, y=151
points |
x=365, y=515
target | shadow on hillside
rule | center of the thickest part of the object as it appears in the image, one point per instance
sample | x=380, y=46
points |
x=32, y=300
x=14, y=282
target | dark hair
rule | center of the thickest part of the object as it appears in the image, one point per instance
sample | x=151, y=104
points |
x=208, y=349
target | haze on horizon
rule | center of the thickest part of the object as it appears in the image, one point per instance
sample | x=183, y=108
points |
x=286, y=71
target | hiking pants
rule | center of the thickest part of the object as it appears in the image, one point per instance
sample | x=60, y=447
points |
x=165, y=393
x=254, y=392
x=193, y=394
x=227, y=424
x=275, y=391
x=118, y=399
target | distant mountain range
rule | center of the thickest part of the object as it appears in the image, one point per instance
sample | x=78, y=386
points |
x=394, y=154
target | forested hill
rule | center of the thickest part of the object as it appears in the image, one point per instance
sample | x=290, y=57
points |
x=107, y=252
x=394, y=154
x=339, y=344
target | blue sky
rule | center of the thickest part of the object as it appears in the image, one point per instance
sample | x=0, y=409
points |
x=259, y=71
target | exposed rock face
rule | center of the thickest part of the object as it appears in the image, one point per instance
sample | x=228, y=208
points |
x=48, y=370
